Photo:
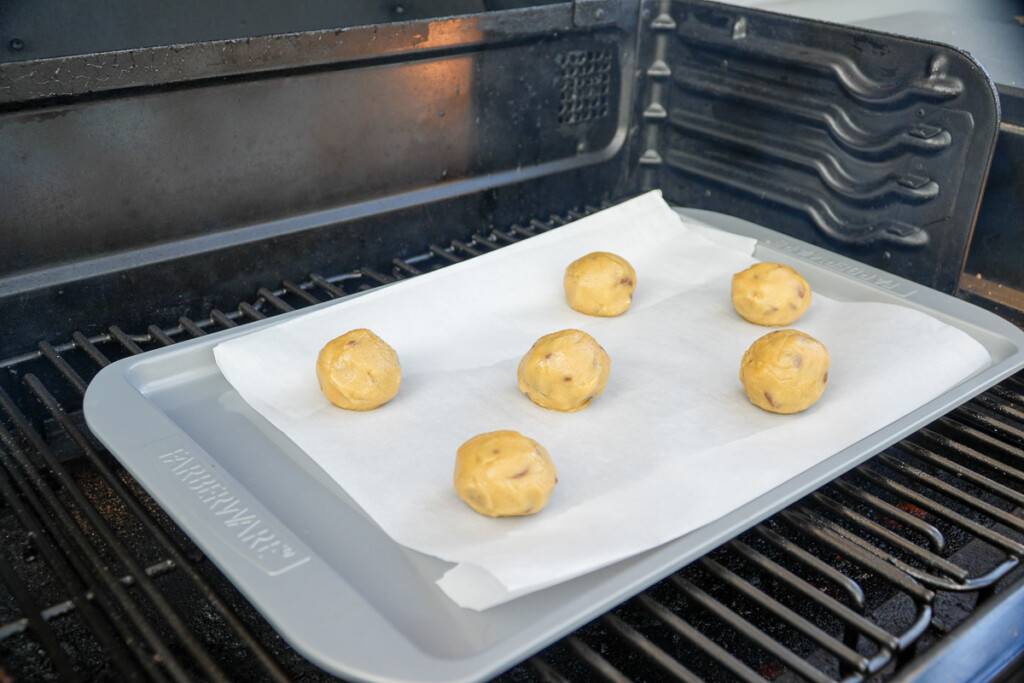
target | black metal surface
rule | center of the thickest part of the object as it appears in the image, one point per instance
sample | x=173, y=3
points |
x=993, y=275
x=869, y=144
x=838, y=587
x=294, y=143
x=59, y=28
x=183, y=184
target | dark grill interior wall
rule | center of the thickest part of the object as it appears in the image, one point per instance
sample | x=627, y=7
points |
x=170, y=191
x=873, y=146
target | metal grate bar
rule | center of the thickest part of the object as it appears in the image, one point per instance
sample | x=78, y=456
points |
x=379, y=278
x=817, y=529
x=941, y=511
x=668, y=664
x=749, y=631
x=299, y=291
x=406, y=268
x=850, y=618
x=507, y=238
x=462, y=246
x=698, y=639
x=595, y=661
x=839, y=532
x=545, y=673
x=1001, y=430
x=274, y=300
x=785, y=614
x=125, y=341
x=521, y=231
x=35, y=621
x=957, y=495
x=66, y=607
x=965, y=474
x=84, y=343
x=1000, y=405
x=100, y=627
x=103, y=624
x=1014, y=398
x=99, y=525
x=890, y=512
x=976, y=461
x=963, y=451
x=874, y=528
x=850, y=587
x=334, y=291
x=159, y=335
x=69, y=374
x=158, y=535
x=191, y=327
x=481, y=241
x=220, y=318
x=248, y=310
x=446, y=255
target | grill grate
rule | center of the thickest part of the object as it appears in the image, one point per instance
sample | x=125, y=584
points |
x=98, y=583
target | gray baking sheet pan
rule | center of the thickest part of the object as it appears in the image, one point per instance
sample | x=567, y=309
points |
x=349, y=598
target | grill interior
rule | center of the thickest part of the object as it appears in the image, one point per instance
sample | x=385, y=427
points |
x=843, y=586
x=838, y=142
x=203, y=221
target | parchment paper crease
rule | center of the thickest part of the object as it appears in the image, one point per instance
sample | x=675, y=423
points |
x=673, y=443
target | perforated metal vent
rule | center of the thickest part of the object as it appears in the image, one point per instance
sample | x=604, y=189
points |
x=585, y=85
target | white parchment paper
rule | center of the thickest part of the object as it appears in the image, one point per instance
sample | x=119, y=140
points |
x=672, y=445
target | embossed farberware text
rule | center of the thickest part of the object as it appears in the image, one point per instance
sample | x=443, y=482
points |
x=249, y=531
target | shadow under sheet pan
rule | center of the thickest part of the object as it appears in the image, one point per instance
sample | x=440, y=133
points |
x=338, y=588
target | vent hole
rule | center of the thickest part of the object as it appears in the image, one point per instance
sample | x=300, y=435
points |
x=585, y=85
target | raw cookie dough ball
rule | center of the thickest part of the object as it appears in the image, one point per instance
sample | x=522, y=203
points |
x=502, y=474
x=358, y=371
x=785, y=371
x=770, y=294
x=600, y=284
x=564, y=371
